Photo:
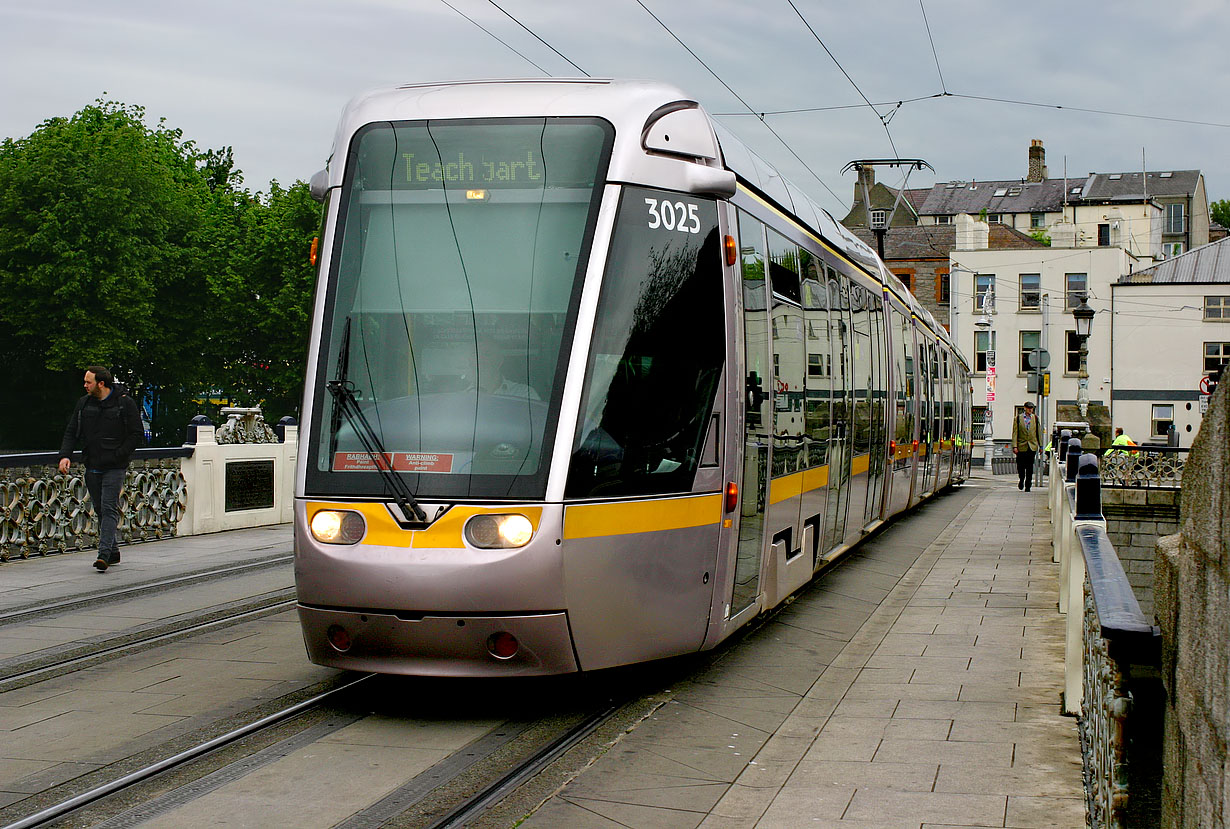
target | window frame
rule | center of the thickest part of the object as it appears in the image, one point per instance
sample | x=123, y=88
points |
x=1037, y=221
x=1175, y=213
x=1074, y=296
x=1025, y=369
x=1222, y=358
x=1223, y=307
x=981, y=292
x=1154, y=420
x=1072, y=356
x=1036, y=292
x=980, y=355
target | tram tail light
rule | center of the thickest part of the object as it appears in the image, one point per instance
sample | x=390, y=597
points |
x=503, y=645
x=339, y=638
x=732, y=496
x=732, y=250
x=892, y=449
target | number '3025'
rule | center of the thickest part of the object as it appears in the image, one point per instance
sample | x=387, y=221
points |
x=673, y=216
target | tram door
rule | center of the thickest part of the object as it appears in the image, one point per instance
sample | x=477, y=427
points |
x=876, y=406
x=841, y=406
x=757, y=420
x=901, y=466
x=859, y=431
x=926, y=391
x=788, y=458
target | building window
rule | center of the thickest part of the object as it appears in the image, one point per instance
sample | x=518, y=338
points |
x=1163, y=419
x=1037, y=220
x=1103, y=236
x=995, y=218
x=1031, y=292
x=984, y=341
x=1216, y=356
x=1217, y=308
x=978, y=422
x=817, y=365
x=943, y=287
x=1072, y=353
x=879, y=218
x=1174, y=222
x=1076, y=286
x=1172, y=248
x=1029, y=341
x=906, y=275
x=943, y=220
x=984, y=284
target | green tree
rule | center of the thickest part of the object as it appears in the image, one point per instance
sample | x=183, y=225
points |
x=1220, y=212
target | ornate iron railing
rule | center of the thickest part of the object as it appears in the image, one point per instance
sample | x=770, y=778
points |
x=44, y=512
x=1144, y=466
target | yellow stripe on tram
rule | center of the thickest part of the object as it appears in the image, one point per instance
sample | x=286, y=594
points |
x=627, y=517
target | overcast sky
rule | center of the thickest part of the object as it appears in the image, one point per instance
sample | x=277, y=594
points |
x=270, y=77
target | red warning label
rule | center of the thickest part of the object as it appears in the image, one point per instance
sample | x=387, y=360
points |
x=427, y=462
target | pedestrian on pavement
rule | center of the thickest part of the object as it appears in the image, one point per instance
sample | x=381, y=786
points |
x=1026, y=438
x=107, y=424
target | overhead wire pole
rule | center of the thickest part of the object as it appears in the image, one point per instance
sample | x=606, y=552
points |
x=911, y=164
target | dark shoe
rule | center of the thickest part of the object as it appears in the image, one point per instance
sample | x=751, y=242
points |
x=115, y=558
x=1020, y=485
x=101, y=564
x=1027, y=489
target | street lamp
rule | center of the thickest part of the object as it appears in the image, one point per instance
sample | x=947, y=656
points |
x=1083, y=315
x=986, y=324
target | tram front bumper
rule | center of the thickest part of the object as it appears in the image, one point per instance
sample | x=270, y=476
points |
x=459, y=646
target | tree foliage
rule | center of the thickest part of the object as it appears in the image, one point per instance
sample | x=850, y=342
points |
x=127, y=246
x=1220, y=211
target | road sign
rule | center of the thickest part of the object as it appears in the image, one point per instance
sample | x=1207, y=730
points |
x=991, y=358
x=1039, y=359
x=1207, y=385
x=1046, y=384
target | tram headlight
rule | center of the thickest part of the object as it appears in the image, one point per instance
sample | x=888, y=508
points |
x=498, y=532
x=333, y=526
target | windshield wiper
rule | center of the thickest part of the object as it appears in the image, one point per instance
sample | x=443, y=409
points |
x=345, y=402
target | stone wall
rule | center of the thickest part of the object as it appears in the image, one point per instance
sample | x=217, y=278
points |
x=1135, y=520
x=1192, y=605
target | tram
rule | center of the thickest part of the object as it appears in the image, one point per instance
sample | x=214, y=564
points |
x=590, y=384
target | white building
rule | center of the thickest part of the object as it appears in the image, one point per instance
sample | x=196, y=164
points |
x=1170, y=330
x=1035, y=291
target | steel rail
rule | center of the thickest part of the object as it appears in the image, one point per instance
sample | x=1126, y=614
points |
x=131, y=779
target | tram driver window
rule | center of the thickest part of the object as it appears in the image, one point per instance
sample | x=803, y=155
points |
x=657, y=351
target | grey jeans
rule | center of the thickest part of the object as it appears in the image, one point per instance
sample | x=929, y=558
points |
x=104, y=486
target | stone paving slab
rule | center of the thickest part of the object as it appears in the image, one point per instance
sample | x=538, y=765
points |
x=916, y=687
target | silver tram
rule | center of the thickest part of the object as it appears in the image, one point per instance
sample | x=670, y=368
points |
x=590, y=384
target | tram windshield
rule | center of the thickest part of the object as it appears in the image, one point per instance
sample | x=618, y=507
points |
x=457, y=266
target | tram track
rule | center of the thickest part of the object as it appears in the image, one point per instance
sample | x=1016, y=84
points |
x=451, y=793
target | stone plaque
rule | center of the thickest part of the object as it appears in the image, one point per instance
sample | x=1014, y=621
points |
x=249, y=485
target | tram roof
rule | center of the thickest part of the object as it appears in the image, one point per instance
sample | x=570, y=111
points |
x=630, y=105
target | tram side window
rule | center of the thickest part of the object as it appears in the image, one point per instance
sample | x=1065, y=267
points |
x=904, y=391
x=657, y=352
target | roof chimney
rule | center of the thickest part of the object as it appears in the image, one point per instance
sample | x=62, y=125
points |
x=1037, y=161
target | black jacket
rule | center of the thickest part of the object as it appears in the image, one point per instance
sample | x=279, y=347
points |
x=110, y=430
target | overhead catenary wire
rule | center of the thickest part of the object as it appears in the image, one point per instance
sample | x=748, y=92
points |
x=750, y=108
x=496, y=37
x=539, y=39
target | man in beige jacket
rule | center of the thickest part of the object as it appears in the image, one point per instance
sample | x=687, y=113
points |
x=1026, y=438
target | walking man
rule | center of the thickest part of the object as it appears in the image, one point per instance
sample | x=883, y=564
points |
x=107, y=423
x=1026, y=438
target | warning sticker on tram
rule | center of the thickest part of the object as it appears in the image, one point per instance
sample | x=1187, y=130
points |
x=397, y=461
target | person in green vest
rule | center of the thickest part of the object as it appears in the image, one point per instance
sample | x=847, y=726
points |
x=1121, y=439
x=1026, y=440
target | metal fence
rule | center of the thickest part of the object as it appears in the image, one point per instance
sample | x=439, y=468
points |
x=43, y=511
x=1144, y=467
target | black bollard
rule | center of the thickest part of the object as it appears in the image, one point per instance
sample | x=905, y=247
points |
x=1088, y=489
x=199, y=420
x=1073, y=461
x=279, y=428
x=1061, y=445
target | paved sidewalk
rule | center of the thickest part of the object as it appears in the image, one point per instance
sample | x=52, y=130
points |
x=907, y=690
x=44, y=579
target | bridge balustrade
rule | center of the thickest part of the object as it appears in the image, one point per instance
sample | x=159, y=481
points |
x=201, y=487
x=1111, y=655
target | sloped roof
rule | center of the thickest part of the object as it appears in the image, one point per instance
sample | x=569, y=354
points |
x=937, y=241
x=1203, y=265
x=1128, y=187
x=1015, y=196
